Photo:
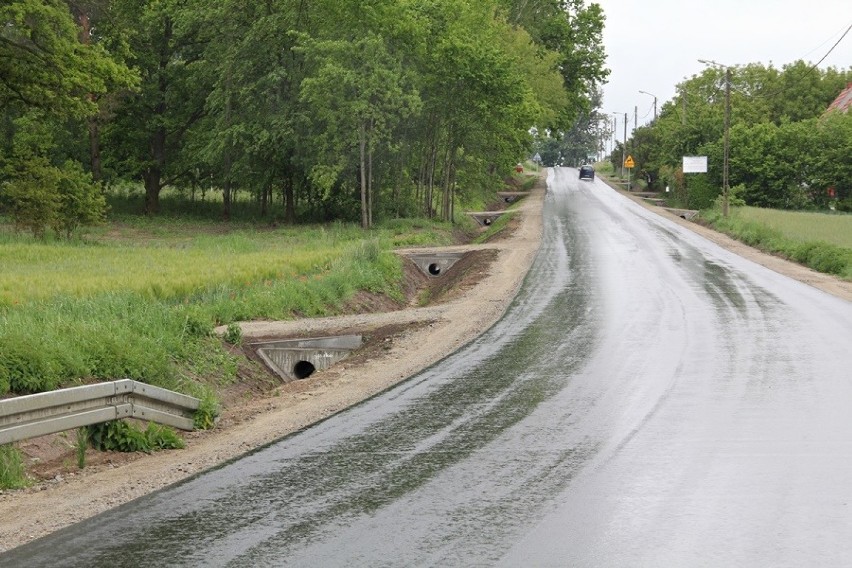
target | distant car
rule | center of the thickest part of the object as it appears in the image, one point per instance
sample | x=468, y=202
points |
x=587, y=172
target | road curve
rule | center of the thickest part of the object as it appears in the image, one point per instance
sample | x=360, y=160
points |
x=649, y=399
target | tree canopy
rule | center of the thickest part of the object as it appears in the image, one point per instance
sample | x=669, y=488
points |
x=334, y=109
x=785, y=150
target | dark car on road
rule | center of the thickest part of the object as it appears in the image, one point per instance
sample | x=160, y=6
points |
x=587, y=172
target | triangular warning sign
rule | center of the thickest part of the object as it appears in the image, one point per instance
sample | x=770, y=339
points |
x=628, y=163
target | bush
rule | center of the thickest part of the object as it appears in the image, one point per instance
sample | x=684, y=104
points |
x=31, y=195
x=40, y=195
x=701, y=191
x=844, y=205
x=12, y=472
x=121, y=436
x=734, y=197
x=207, y=412
x=79, y=200
x=25, y=368
x=823, y=257
x=234, y=334
x=197, y=323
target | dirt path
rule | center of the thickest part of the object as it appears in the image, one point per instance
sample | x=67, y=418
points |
x=423, y=336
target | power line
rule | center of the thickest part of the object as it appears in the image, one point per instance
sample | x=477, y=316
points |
x=832, y=47
x=824, y=42
x=793, y=79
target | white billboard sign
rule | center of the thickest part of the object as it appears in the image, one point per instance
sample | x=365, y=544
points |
x=695, y=164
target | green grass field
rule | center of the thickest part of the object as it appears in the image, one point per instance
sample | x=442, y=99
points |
x=818, y=240
x=138, y=298
x=804, y=226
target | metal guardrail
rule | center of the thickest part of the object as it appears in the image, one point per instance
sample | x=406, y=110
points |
x=34, y=415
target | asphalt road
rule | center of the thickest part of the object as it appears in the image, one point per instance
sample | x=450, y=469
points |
x=649, y=400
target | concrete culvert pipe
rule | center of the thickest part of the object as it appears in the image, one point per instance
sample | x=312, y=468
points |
x=487, y=221
x=434, y=269
x=304, y=369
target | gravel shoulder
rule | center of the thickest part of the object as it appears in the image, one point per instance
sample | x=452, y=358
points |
x=411, y=340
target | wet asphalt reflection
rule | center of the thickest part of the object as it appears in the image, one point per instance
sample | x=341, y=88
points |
x=648, y=399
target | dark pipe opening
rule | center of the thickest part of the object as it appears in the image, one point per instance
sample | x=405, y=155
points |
x=304, y=369
x=487, y=221
x=683, y=217
x=507, y=199
x=434, y=269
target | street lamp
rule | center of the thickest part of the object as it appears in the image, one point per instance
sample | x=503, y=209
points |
x=725, y=188
x=624, y=145
x=655, y=103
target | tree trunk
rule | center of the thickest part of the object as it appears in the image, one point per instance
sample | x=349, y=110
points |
x=152, y=190
x=226, y=197
x=370, y=181
x=264, y=199
x=289, y=200
x=430, y=182
x=227, y=158
x=453, y=189
x=153, y=174
x=95, y=149
x=362, y=144
x=445, y=189
x=85, y=24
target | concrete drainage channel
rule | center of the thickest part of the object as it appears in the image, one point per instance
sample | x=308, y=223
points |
x=295, y=359
x=687, y=214
x=512, y=196
x=486, y=218
x=436, y=263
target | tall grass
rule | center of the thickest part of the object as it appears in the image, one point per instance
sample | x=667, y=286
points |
x=798, y=236
x=160, y=268
x=12, y=472
x=804, y=226
x=143, y=304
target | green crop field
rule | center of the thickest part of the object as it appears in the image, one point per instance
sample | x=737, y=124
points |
x=820, y=241
x=139, y=298
x=169, y=260
x=804, y=226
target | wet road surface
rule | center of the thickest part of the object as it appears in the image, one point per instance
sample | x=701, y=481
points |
x=648, y=400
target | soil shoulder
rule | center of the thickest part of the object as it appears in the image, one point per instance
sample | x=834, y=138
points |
x=259, y=410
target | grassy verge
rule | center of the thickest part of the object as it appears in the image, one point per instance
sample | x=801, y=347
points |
x=814, y=240
x=140, y=299
x=12, y=471
x=804, y=226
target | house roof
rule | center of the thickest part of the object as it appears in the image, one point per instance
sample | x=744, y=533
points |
x=843, y=102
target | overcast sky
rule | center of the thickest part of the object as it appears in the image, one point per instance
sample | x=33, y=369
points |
x=652, y=45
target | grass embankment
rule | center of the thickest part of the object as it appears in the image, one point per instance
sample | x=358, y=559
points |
x=139, y=299
x=820, y=241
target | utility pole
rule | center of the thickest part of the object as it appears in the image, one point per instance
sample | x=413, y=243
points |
x=614, y=137
x=725, y=186
x=727, y=143
x=655, y=102
x=635, y=117
x=614, y=131
x=624, y=146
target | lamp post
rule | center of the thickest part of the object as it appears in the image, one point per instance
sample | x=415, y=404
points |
x=624, y=144
x=655, y=103
x=725, y=187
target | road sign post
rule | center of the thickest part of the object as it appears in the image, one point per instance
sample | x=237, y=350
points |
x=629, y=163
